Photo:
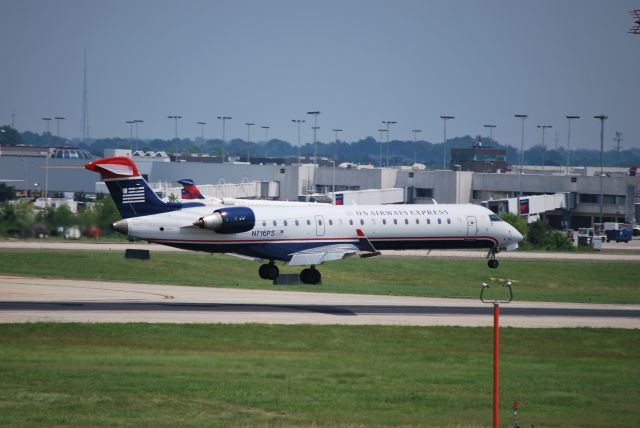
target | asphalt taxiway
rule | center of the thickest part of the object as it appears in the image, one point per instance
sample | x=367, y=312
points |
x=25, y=299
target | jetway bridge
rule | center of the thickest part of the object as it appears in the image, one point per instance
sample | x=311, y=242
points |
x=534, y=205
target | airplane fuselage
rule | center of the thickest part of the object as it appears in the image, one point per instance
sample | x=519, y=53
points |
x=280, y=232
x=300, y=234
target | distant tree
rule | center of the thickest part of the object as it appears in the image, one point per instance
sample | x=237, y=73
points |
x=106, y=214
x=544, y=237
x=537, y=231
x=9, y=136
x=103, y=213
x=17, y=216
x=7, y=193
x=60, y=216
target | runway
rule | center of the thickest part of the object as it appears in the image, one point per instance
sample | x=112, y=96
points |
x=24, y=299
x=629, y=252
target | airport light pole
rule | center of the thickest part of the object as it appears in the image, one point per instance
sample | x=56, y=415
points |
x=137, y=122
x=602, y=118
x=381, y=143
x=388, y=123
x=47, y=120
x=315, y=147
x=335, y=159
x=58, y=119
x=202, y=124
x=490, y=130
x=46, y=182
x=249, y=125
x=130, y=123
x=522, y=117
x=569, y=119
x=266, y=140
x=415, y=144
x=298, y=122
x=544, y=148
x=175, y=122
x=26, y=178
x=315, y=135
x=46, y=167
x=224, y=120
x=444, y=143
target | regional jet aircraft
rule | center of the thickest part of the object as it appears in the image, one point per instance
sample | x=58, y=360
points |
x=299, y=235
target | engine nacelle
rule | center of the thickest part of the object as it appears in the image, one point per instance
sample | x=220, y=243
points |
x=228, y=220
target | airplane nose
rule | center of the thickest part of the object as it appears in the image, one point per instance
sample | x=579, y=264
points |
x=517, y=235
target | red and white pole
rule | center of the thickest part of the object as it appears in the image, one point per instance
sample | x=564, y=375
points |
x=496, y=364
x=496, y=347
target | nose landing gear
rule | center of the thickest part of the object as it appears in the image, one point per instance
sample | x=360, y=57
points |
x=492, y=262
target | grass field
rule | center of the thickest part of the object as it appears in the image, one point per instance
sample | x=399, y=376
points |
x=261, y=375
x=596, y=282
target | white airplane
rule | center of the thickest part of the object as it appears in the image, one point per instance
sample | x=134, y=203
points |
x=299, y=235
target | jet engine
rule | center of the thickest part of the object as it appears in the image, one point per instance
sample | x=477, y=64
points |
x=228, y=220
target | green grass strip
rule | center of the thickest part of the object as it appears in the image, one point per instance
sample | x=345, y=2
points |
x=538, y=280
x=262, y=375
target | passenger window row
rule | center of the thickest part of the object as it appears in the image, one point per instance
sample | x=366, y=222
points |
x=296, y=222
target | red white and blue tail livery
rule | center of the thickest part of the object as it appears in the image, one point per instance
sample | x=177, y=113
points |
x=130, y=192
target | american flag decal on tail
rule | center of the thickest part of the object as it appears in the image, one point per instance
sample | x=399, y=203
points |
x=133, y=195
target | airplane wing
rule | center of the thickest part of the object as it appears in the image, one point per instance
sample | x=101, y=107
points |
x=318, y=255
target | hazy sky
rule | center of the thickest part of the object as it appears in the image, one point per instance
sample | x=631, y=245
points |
x=358, y=62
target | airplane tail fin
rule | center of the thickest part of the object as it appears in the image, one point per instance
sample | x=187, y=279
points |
x=189, y=189
x=129, y=190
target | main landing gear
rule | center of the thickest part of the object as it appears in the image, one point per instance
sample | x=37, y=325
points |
x=308, y=276
x=492, y=262
x=269, y=271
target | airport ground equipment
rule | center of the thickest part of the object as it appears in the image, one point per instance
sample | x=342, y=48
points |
x=131, y=253
x=496, y=346
x=618, y=232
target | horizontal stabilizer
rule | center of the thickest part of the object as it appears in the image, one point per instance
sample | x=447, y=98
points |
x=115, y=167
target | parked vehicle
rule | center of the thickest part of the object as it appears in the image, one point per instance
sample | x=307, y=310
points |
x=619, y=232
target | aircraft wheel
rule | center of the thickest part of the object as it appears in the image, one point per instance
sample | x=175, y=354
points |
x=310, y=276
x=493, y=264
x=268, y=271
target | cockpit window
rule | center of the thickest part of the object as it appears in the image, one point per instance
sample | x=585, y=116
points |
x=494, y=217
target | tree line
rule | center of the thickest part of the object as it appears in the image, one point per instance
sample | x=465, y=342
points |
x=363, y=151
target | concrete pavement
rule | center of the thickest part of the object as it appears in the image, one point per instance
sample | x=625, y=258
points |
x=24, y=299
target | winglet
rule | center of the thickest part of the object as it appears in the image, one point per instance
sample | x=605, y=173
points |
x=365, y=245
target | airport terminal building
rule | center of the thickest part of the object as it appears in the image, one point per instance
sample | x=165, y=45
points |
x=568, y=199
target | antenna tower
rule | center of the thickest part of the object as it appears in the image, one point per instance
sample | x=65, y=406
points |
x=85, y=103
x=618, y=139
